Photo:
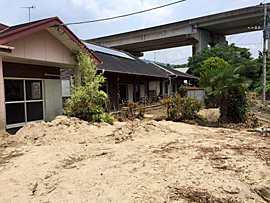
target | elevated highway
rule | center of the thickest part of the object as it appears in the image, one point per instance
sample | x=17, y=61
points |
x=198, y=32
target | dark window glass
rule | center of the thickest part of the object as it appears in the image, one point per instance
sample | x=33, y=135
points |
x=123, y=93
x=34, y=111
x=33, y=89
x=14, y=90
x=137, y=92
x=15, y=113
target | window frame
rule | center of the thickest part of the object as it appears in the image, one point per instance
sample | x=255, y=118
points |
x=25, y=101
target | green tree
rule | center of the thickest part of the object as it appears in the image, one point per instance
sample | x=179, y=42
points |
x=213, y=63
x=87, y=100
x=225, y=83
x=233, y=55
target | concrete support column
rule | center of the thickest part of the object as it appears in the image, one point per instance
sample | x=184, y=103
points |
x=205, y=38
x=2, y=100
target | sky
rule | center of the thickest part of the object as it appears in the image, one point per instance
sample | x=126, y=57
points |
x=12, y=13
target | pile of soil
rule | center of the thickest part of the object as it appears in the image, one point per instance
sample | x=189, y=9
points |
x=140, y=161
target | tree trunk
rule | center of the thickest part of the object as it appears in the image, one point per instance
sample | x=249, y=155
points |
x=223, y=109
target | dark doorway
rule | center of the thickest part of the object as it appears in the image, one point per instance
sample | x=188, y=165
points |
x=123, y=93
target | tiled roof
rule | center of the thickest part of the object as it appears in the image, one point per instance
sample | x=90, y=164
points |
x=122, y=62
x=123, y=65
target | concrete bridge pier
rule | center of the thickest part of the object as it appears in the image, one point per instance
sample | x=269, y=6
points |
x=205, y=38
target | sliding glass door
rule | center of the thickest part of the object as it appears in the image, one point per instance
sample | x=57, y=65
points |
x=23, y=101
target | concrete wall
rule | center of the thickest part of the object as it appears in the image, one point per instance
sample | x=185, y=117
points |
x=196, y=93
x=2, y=100
x=42, y=46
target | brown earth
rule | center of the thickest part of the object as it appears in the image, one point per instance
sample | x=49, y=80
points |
x=138, y=161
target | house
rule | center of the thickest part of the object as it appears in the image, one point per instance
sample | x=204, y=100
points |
x=128, y=78
x=31, y=56
x=176, y=78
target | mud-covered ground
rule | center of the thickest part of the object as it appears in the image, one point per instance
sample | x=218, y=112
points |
x=139, y=161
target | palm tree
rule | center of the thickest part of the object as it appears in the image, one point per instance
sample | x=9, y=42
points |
x=220, y=82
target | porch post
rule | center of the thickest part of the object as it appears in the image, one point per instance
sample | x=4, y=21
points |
x=2, y=100
x=134, y=90
x=117, y=93
x=170, y=87
x=161, y=87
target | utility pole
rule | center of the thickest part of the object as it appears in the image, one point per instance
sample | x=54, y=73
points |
x=29, y=7
x=266, y=34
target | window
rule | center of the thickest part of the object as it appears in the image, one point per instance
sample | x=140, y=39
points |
x=65, y=88
x=14, y=90
x=23, y=101
x=33, y=90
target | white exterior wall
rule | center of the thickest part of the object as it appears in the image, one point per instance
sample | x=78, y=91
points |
x=130, y=92
x=158, y=87
x=53, y=99
x=41, y=46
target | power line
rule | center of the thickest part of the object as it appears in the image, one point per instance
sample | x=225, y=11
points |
x=125, y=15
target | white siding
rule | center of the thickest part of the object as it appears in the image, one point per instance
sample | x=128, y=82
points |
x=53, y=99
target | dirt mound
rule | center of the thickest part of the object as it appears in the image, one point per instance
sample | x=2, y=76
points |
x=211, y=115
x=141, y=161
x=65, y=129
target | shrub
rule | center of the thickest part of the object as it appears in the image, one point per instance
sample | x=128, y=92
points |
x=181, y=108
x=238, y=106
x=132, y=107
x=182, y=90
x=87, y=101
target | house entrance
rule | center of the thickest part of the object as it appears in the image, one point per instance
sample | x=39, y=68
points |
x=123, y=93
x=23, y=101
